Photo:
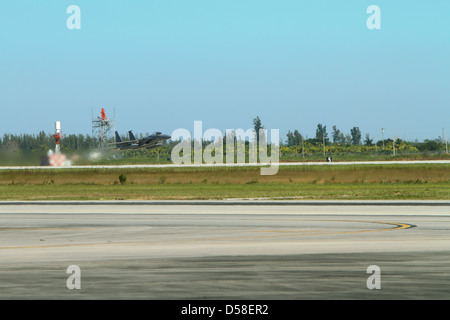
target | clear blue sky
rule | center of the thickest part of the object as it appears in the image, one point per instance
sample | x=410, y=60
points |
x=164, y=63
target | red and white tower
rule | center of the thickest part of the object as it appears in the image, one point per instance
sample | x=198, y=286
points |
x=58, y=135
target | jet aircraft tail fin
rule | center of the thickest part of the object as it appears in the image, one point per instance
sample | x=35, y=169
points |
x=118, y=139
x=131, y=135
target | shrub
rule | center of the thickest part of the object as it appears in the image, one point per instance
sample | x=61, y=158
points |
x=122, y=179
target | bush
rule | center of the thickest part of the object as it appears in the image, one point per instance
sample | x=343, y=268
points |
x=122, y=179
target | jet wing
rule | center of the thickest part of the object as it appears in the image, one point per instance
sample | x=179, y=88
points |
x=149, y=141
x=123, y=143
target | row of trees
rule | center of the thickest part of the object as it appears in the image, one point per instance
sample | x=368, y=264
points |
x=352, y=142
x=45, y=141
x=354, y=138
x=339, y=138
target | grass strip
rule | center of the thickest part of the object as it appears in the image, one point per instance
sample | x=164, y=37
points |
x=352, y=191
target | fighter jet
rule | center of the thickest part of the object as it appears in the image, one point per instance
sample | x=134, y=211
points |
x=152, y=141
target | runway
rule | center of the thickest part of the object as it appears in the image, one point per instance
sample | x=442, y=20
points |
x=225, y=250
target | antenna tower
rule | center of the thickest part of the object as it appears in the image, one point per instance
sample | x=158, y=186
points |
x=103, y=128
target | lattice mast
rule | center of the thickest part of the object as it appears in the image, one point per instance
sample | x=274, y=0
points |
x=103, y=128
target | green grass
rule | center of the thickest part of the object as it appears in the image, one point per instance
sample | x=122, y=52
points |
x=395, y=182
x=390, y=173
x=353, y=191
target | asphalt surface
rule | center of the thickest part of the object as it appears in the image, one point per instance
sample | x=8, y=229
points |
x=293, y=251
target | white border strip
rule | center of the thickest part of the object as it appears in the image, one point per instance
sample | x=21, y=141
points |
x=224, y=165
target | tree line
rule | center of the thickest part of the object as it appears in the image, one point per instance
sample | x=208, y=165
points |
x=42, y=142
x=45, y=141
x=339, y=138
x=354, y=138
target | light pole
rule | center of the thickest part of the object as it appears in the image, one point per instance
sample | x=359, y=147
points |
x=323, y=136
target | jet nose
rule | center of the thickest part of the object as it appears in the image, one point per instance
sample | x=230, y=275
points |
x=165, y=136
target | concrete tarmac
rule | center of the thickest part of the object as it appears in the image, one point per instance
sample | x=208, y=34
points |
x=280, y=250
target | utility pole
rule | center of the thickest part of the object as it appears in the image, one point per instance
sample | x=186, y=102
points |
x=446, y=143
x=393, y=146
x=323, y=135
x=376, y=146
x=303, y=148
x=382, y=136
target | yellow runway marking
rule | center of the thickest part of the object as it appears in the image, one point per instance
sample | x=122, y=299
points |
x=399, y=226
